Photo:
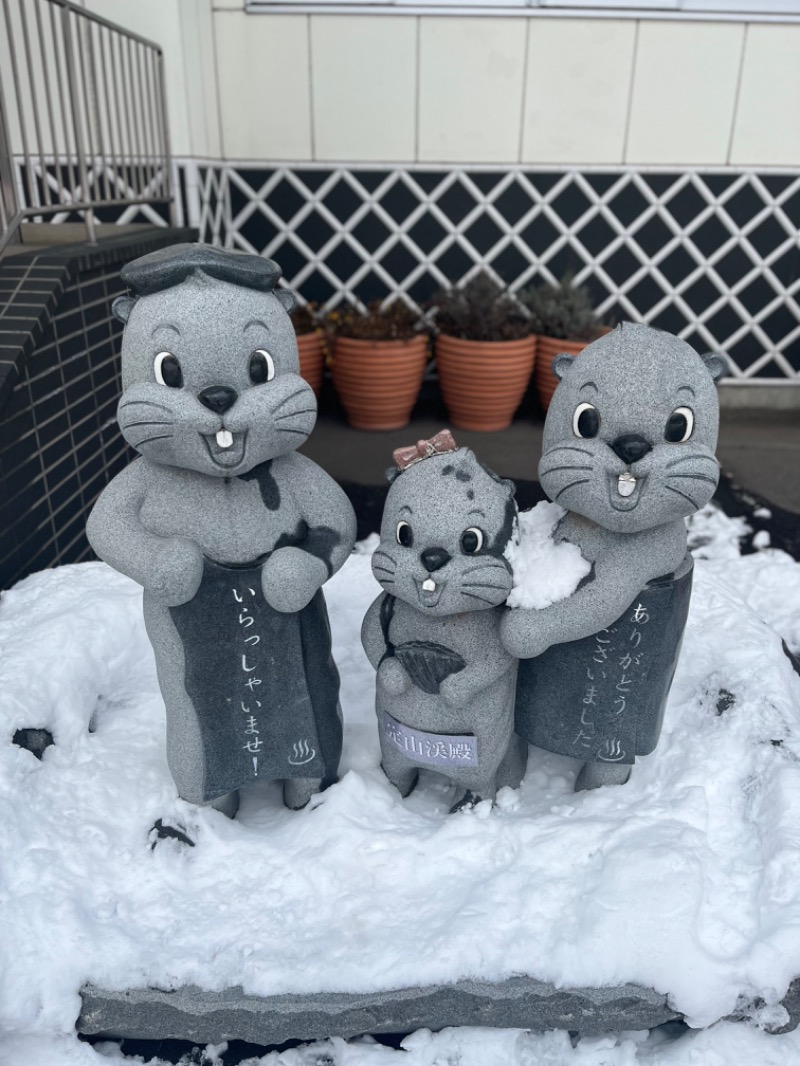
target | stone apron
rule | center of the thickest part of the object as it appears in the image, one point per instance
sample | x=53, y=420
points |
x=602, y=698
x=263, y=683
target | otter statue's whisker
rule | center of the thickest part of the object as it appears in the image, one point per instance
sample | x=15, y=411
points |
x=572, y=484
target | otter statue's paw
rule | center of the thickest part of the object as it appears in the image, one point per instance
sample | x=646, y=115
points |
x=393, y=678
x=520, y=634
x=175, y=571
x=598, y=774
x=467, y=802
x=227, y=804
x=290, y=578
x=297, y=791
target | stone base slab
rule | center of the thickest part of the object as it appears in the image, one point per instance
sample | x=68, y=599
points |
x=190, y=1013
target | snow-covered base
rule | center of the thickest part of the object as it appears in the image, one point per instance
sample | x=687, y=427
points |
x=685, y=879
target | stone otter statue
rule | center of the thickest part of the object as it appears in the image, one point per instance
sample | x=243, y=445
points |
x=628, y=450
x=230, y=532
x=445, y=684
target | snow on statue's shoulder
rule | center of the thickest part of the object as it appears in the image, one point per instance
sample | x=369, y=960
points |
x=545, y=571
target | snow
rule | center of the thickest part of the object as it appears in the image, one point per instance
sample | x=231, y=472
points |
x=544, y=571
x=685, y=879
x=721, y=1045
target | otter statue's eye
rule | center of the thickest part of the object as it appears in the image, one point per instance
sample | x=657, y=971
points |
x=472, y=540
x=167, y=370
x=586, y=421
x=404, y=534
x=262, y=368
x=680, y=425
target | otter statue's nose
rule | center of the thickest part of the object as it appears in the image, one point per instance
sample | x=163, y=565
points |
x=434, y=558
x=218, y=398
x=631, y=447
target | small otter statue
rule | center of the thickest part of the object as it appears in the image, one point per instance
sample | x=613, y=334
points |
x=230, y=532
x=445, y=684
x=628, y=450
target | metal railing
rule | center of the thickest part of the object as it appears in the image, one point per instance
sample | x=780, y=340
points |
x=83, y=121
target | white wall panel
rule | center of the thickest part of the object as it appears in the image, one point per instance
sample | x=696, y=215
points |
x=465, y=89
x=767, y=126
x=263, y=71
x=577, y=90
x=684, y=92
x=470, y=89
x=364, y=87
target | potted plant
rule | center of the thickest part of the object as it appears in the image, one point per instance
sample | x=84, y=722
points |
x=310, y=345
x=484, y=353
x=564, y=320
x=379, y=357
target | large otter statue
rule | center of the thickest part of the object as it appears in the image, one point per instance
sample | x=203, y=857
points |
x=230, y=532
x=628, y=450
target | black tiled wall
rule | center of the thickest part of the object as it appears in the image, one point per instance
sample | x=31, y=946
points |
x=59, y=387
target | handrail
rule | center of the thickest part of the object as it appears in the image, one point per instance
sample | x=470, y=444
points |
x=85, y=128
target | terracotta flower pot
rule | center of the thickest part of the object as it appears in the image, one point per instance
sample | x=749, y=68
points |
x=378, y=381
x=483, y=382
x=311, y=349
x=547, y=348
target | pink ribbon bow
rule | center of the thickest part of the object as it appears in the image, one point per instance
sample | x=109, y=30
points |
x=424, y=449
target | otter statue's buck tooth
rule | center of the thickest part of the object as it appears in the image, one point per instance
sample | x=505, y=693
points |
x=445, y=684
x=230, y=532
x=626, y=484
x=628, y=450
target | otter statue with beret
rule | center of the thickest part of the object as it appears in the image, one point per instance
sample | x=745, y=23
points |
x=230, y=532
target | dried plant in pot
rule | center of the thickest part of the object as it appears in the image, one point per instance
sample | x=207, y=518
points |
x=379, y=357
x=310, y=345
x=564, y=319
x=484, y=353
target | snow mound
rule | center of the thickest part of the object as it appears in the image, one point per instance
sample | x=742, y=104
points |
x=544, y=572
x=685, y=879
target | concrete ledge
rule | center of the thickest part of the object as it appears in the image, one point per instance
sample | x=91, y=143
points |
x=189, y=1013
x=757, y=396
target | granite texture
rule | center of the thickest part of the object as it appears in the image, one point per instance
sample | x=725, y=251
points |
x=628, y=450
x=445, y=684
x=210, y=1017
x=229, y=531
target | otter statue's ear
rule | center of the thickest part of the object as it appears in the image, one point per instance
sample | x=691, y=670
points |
x=286, y=298
x=716, y=364
x=561, y=364
x=121, y=308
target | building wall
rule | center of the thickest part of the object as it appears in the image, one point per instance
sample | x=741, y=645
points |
x=461, y=89
x=379, y=155
x=508, y=90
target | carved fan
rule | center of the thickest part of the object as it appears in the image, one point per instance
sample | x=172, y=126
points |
x=428, y=664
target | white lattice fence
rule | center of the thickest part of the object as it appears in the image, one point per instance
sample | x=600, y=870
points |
x=713, y=256
x=127, y=192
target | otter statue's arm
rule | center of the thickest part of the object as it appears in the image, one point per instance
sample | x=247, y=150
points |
x=623, y=566
x=372, y=637
x=391, y=674
x=305, y=558
x=169, y=568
